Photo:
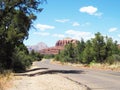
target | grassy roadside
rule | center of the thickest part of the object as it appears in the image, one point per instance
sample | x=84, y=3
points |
x=5, y=80
x=113, y=67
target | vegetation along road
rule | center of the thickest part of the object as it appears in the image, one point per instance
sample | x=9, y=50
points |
x=94, y=79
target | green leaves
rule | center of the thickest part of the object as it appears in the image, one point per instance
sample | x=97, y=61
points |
x=99, y=49
x=16, y=17
x=20, y=60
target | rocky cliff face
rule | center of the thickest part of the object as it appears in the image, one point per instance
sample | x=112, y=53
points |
x=51, y=50
x=65, y=42
x=58, y=46
x=119, y=46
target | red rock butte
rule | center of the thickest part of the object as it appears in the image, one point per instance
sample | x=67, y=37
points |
x=58, y=46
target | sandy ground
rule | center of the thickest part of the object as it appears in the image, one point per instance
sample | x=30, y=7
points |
x=44, y=82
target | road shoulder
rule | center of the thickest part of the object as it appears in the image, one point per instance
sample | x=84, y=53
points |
x=23, y=81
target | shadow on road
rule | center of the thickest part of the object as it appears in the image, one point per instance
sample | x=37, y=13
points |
x=38, y=72
x=35, y=69
x=57, y=71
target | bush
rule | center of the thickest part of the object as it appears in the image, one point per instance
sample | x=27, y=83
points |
x=21, y=60
x=116, y=58
x=113, y=59
x=49, y=56
x=36, y=56
x=57, y=58
x=110, y=60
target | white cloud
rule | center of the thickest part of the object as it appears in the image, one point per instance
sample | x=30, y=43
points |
x=41, y=33
x=62, y=20
x=76, y=24
x=118, y=35
x=79, y=34
x=98, y=14
x=118, y=40
x=58, y=35
x=113, y=29
x=43, y=27
x=86, y=24
x=91, y=10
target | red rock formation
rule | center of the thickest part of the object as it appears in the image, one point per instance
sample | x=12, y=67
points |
x=58, y=46
x=51, y=50
x=65, y=41
x=119, y=46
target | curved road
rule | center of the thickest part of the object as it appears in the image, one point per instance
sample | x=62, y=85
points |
x=94, y=79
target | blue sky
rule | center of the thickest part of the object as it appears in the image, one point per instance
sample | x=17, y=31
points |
x=75, y=19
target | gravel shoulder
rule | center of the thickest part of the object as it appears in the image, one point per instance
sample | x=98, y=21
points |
x=44, y=82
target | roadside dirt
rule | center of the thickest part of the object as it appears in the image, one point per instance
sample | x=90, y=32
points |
x=23, y=81
x=93, y=66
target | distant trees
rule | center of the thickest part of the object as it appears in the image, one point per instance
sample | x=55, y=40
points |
x=99, y=49
x=48, y=56
x=36, y=56
x=16, y=17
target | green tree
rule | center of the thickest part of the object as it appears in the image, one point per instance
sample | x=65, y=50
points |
x=88, y=53
x=20, y=60
x=69, y=52
x=112, y=51
x=16, y=17
x=79, y=50
x=36, y=56
x=99, y=47
x=109, y=45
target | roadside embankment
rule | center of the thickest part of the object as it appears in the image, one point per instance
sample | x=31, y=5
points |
x=34, y=79
x=6, y=80
x=98, y=66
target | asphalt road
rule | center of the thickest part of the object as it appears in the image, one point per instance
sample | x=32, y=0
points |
x=94, y=79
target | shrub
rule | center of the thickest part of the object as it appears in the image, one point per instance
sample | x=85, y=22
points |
x=57, y=58
x=109, y=60
x=21, y=60
x=36, y=56
x=116, y=58
x=49, y=56
x=113, y=59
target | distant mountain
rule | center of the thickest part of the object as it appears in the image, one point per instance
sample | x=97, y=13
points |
x=37, y=47
x=58, y=46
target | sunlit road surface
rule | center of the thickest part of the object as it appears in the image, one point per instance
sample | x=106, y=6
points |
x=94, y=79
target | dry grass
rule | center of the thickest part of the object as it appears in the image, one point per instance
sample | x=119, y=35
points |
x=5, y=80
x=113, y=67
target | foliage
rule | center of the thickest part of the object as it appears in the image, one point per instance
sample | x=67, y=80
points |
x=36, y=56
x=88, y=53
x=48, y=56
x=113, y=59
x=97, y=50
x=16, y=17
x=20, y=60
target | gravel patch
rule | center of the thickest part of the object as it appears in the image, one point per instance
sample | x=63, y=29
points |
x=23, y=81
x=45, y=82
